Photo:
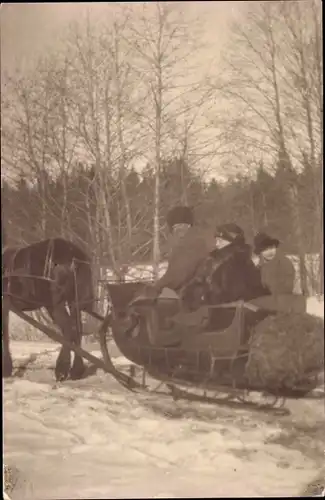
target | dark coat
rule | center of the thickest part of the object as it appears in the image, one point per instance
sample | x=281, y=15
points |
x=185, y=257
x=234, y=277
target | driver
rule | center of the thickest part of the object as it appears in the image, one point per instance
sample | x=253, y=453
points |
x=191, y=246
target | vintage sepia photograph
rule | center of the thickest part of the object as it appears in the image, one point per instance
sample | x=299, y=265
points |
x=162, y=249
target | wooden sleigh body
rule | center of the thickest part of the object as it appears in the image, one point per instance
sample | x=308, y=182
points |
x=208, y=348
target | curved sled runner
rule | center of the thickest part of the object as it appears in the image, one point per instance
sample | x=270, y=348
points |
x=208, y=349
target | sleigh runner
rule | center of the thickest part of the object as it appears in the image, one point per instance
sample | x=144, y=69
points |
x=262, y=345
x=218, y=361
x=218, y=348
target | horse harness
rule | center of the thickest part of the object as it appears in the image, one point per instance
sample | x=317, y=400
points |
x=24, y=274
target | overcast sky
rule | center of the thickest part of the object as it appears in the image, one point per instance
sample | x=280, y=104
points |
x=28, y=29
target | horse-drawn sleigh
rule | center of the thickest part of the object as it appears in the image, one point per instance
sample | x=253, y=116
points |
x=225, y=348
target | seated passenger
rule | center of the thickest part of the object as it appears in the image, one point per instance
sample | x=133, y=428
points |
x=234, y=275
x=278, y=277
x=277, y=270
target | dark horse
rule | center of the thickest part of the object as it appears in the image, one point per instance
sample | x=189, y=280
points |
x=52, y=273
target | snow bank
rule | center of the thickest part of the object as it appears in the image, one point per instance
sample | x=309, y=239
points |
x=93, y=439
x=315, y=306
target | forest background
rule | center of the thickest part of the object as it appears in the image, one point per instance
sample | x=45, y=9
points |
x=125, y=118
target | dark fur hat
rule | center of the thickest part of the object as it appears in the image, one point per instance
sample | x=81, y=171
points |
x=180, y=215
x=262, y=241
x=230, y=232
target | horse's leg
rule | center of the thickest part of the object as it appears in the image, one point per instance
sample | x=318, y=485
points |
x=6, y=355
x=62, y=319
x=78, y=367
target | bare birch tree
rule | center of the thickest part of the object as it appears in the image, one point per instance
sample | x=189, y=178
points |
x=272, y=86
x=162, y=49
x=35, y=130
x=90, y=78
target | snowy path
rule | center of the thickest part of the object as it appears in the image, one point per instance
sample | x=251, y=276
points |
x=93, y=439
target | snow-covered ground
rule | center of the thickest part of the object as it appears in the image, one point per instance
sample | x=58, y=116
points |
x=315, y=306
x=94, y=439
